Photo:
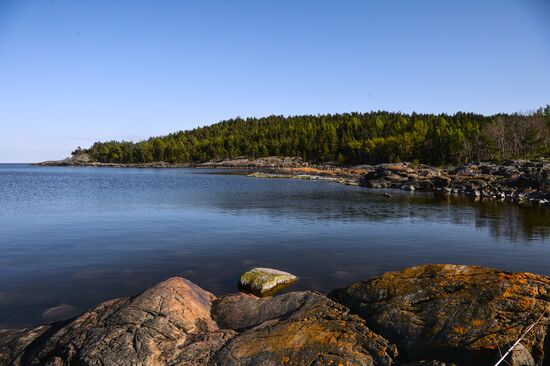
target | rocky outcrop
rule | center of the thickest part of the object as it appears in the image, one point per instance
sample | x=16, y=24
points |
x=269, y=162
x=517, y=180
x=298, y=328
x=265, y=281
x=14, y=344
x=432, y=315
x=167, y=324
x=453, y=313
x=171, y=324
x=86, y=160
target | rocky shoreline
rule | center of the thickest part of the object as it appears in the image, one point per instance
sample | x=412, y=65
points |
x=425, y=315
x=514, y=180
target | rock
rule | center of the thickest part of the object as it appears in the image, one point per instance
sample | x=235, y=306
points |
x=265, y=281
x=297, y=328
x=476, y=180
x=387, y=195
x=380, y=183
x=429, y=363
x=396, y=178
x=453, y=313
x=444, y=190
x=267, y=162
x=519, y=356
x=13, y=343
x=241, y=311
x=169, y=323
x=438, y=315
x=408, y=187
x=441, y=181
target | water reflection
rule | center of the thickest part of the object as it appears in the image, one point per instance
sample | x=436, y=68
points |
x=72, y=237
x=503, y=219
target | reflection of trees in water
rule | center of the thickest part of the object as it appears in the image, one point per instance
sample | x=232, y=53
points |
x=503, y=219
x=514, y=221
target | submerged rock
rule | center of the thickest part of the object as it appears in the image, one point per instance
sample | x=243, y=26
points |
x=265, y=281
x=454, y=313
x=60, y=312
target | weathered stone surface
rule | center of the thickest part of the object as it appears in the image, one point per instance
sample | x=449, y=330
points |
x=438, y=315
x=429, y=363
x=453, y=313
x=519, y=356
x=242, y=311
x=298, y=328
x=167, y=324
x=13, y=343
x=265, y=281
x=173, y=324
x=518, y=180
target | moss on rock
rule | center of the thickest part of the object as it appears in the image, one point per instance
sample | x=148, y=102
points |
x=265, y=281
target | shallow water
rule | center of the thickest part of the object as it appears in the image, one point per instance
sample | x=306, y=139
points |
x=72, y=237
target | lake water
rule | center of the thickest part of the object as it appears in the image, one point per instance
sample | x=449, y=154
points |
x=73, y=237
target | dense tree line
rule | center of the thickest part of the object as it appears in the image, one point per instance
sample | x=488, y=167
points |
x=349, y=138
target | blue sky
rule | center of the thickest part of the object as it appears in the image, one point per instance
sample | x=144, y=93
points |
x=74, y=72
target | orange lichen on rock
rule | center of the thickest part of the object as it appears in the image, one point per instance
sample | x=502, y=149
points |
x=460, y=330
x=476, y=323
x=471, y=310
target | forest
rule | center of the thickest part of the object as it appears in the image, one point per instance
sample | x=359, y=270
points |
x=346, y=139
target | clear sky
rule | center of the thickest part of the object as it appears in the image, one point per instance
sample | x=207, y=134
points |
x=74, y=72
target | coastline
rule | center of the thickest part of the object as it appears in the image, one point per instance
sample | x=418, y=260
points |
x=434, y=314
x=514, y=180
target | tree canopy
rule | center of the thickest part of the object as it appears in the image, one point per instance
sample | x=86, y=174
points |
x=348, y=139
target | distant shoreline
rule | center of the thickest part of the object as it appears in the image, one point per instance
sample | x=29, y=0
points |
x=514, y=180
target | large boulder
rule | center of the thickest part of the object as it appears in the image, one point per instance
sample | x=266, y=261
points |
x=177, y=323
x=298, y=328
x=455, y=313
x=169, y=323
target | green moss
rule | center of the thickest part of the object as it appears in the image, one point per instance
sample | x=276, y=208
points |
x=265, y=281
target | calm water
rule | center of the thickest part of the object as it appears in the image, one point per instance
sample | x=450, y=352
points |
x=72, y=237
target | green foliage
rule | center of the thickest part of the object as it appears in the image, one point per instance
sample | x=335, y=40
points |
x=350, y=138
x=77, y=151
